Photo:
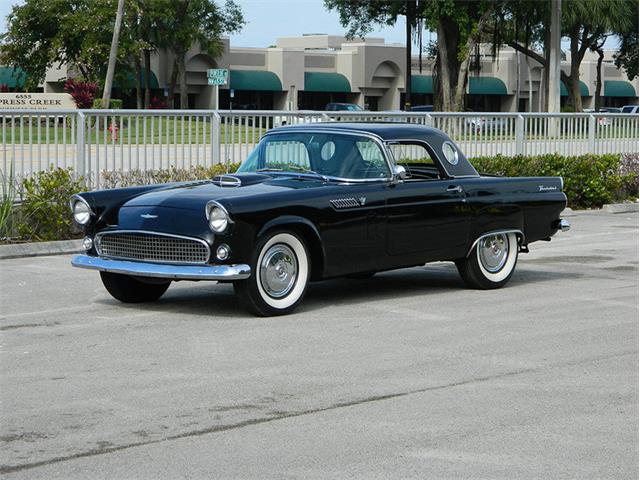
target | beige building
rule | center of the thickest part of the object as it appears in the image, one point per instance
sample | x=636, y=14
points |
x=310, y=71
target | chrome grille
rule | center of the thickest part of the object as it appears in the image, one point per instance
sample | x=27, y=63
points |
x=152, y=247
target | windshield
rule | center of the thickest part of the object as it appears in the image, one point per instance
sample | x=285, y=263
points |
x=353, y=157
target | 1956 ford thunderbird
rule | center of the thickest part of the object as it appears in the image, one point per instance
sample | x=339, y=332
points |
x=314, y=202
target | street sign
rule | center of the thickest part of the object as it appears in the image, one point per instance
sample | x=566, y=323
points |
x=217, y=76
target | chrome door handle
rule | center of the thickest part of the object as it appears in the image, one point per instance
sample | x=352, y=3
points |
x=454, y=189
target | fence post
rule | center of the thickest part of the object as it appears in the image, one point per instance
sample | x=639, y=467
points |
x=80, y=148
x=428, y=120
x=519, y=135
x=215, y=137
x=592, y=134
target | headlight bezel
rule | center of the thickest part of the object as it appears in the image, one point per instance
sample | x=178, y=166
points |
x=78, y=200
x=221, y=214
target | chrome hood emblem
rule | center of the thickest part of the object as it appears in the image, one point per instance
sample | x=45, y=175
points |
x=148, y=216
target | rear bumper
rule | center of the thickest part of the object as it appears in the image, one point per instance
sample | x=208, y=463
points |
x=162, y=270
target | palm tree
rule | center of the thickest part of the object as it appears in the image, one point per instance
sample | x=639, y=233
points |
x=113, y=54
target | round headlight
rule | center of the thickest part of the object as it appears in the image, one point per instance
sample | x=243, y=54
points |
x=218, y=219
x=81, y=212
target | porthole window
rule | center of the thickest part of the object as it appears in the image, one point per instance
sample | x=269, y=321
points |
x=450, y=153
x=327, y=151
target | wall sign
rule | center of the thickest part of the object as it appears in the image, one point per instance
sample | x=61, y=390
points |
x=37, y=101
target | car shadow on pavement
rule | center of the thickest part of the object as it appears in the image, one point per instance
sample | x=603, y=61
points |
x=219, y=301
x=426, y=280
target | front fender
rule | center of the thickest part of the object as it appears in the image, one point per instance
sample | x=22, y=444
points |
x=312, y=236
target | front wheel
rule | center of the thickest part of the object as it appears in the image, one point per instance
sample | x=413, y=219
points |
x=279, y=275
x=491, y=262
x=131, y=290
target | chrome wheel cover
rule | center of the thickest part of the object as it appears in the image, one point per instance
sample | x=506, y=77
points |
x=278, y=270
x=493, y=251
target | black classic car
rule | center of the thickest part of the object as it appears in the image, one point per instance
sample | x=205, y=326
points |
x=313, y=202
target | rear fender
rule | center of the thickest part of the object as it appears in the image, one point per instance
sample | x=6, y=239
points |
x=498, y=219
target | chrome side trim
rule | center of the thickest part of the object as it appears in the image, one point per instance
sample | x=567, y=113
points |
x=156, y=270
x=518, y=233
x=99, y=236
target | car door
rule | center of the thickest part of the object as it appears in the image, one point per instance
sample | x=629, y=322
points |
x=353, y=225
x=427, y=214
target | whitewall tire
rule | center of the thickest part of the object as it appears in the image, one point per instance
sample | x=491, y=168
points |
x=491, y=262
x=279, y=275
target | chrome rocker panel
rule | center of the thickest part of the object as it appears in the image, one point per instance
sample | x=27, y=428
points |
x=163, y=270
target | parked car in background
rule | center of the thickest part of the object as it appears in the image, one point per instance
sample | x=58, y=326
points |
x=487, y=124
x=610, y=110
x=313, y=202
x=630, y=109
x=604, y=121
x=343, y=107
x=422, y=108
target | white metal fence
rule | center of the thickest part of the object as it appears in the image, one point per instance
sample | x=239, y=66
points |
x=95, y=141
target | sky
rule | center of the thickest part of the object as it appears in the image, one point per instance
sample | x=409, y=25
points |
x=269, y=19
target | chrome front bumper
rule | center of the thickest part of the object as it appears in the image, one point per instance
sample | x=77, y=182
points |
x=163, y=270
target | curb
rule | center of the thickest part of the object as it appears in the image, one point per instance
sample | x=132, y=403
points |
x=628, y=207
x=39, y=249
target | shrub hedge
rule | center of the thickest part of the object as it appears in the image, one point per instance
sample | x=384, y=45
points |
x=44, y=213
x=147, y=177
x=589, y=181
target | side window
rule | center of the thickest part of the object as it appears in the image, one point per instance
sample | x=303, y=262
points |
x=375, y=163
x=287, y=153
x=416, y=159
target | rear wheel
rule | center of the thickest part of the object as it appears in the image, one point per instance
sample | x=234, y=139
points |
x=491, y=262
x=131, y=290
x=279, y=275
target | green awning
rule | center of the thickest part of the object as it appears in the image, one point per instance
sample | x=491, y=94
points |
x=421, y=84
x=326, y=82
x=129, y=81
x=257, y=80
x=618, y=88
x=584, y=90
x=487, y=86
x=12, y=77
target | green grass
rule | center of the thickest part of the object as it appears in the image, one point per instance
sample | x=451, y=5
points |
x=191, y=131
x=148, y=131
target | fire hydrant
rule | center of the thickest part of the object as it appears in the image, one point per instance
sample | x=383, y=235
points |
x=113, y=130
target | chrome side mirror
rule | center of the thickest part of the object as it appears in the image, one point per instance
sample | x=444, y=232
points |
x=399, y=172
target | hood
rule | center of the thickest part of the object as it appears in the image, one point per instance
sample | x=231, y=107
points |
x=224, y=187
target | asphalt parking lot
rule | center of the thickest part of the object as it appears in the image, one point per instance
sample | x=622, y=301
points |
x=405, y=375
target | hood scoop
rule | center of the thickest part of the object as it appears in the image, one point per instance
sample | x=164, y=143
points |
x=227, y=181
x=239, y=180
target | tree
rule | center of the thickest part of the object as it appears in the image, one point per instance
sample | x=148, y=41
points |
x=45, y=33
x=113, y=54
x=627, y=56
x=194, y=22
x=587, y=23
x=459, y=25
x=359, y=16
